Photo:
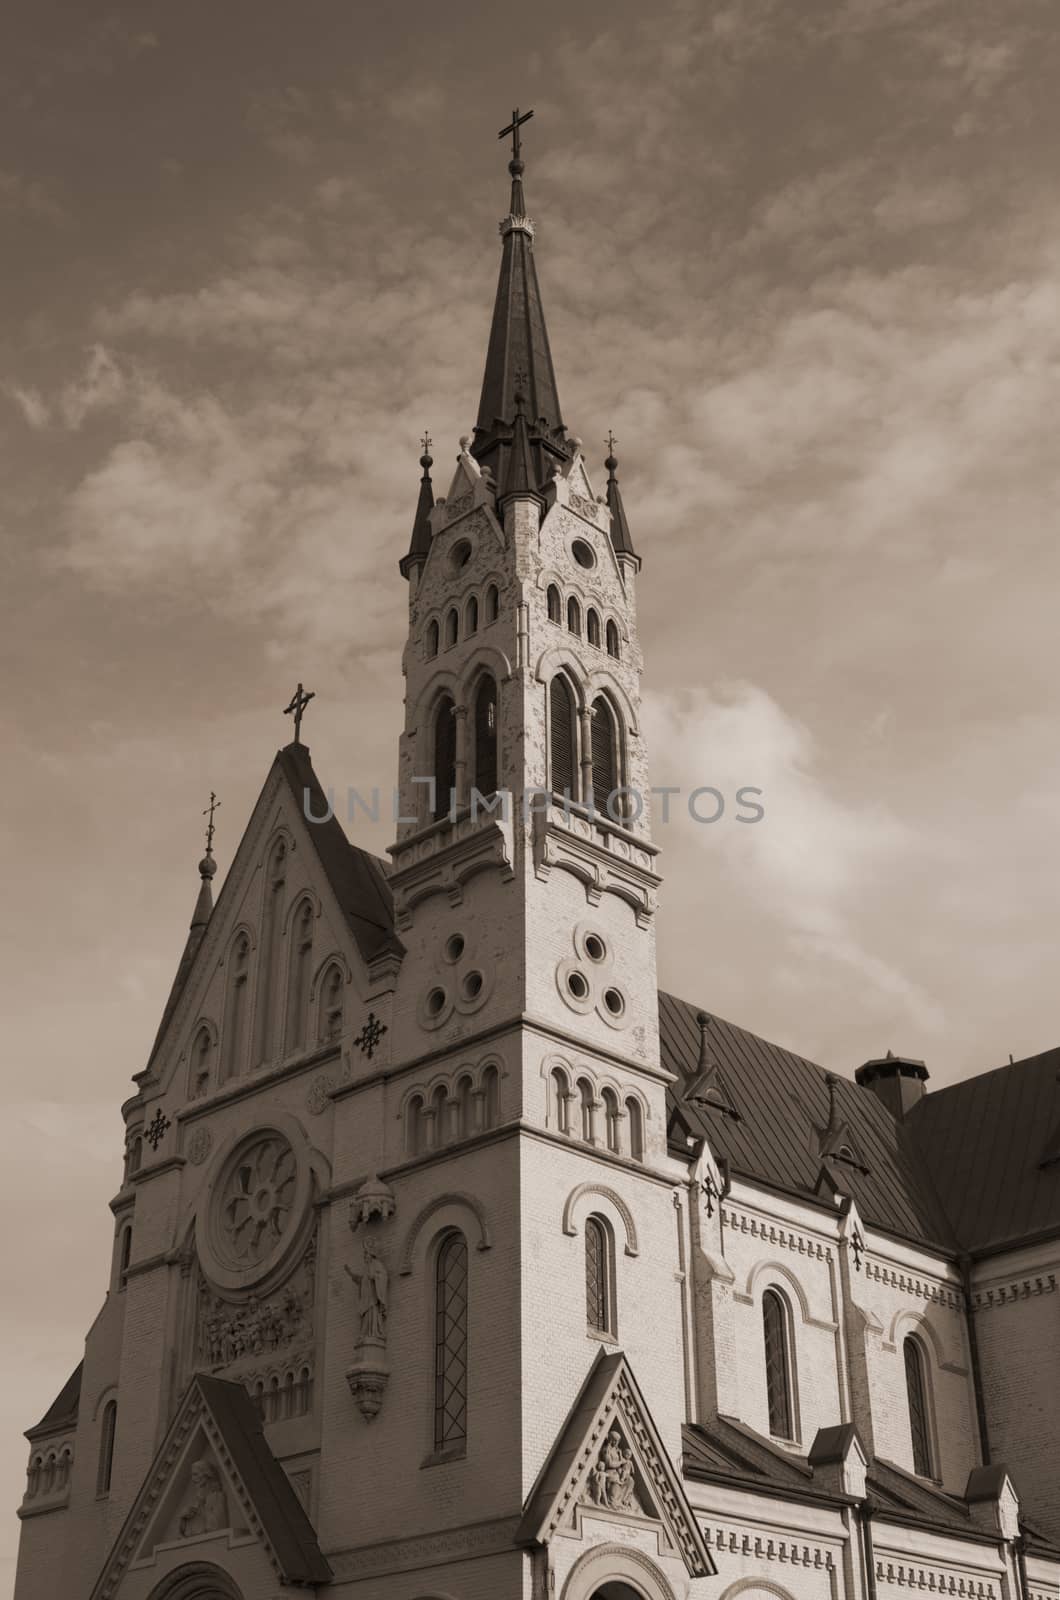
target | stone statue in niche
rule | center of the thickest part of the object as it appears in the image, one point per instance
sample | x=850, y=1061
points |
x=207, y=1510
x=611, y=1481
x=373, y=1287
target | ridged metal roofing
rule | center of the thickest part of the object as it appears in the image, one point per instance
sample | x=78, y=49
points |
x=783, y=1105
x=986, y=1140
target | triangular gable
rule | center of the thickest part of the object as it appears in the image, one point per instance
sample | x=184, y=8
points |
x=215, y=1478
x=610, y=1463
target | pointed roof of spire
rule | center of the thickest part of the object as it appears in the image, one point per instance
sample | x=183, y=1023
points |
x=521, y=473
x=420, y=542
x=518, y=343
x=620, y=535
x=199, y=919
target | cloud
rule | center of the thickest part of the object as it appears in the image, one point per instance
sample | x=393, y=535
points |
x=33, y=406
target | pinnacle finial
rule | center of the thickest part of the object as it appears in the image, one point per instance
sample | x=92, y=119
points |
x=611, y=463
x=426, y=459
x=208, y=866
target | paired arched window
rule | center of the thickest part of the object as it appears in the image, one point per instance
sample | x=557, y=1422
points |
x=299, y=972
x=486, y=737
x=471, y=616
x=450, y=1344
x=555, y=604
x=574, y=616
x=452, y=628
x=916, y=1389
x=776, y=1327
x=612, y=639
x=635, y=1113
x=106, y=1447
x=444, y=757
x=605, y=754
x=599, y=1277
x=432, y=639
x=493, y=604
x=592, y=627
x=331, y=1005
x=563, y=746
x=236, y=1001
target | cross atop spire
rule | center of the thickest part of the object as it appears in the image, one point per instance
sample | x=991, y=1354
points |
x=215, y=805
x=299, y=700
x=513, y=129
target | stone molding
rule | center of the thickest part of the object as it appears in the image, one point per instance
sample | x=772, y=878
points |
x=767, y=1547
x=437, y=1204
x=937, y=1579
x=603, y=859
x=1004, y=1294
x=911, y=1283
x=611, y=1559
x=402, y=1555
x=441, y=862
x=631, y=1246
x=774, y=1233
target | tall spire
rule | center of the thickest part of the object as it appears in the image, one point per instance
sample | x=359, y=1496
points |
x=518, y=343
x=620, y=537
x=196, y=931
x=420, y=542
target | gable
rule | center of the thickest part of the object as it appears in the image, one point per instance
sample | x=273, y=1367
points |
x=609, y=1465
x=214, y=1489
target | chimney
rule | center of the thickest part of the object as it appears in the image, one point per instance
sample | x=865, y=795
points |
x=897, y=1080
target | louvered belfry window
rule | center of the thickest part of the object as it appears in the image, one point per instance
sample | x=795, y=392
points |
x=597, y=1277
x=916, y=1389
x=778, y=1365
x=605, y=773
x=561, y=720
x=444, y=757
x=486, y=737
x=450, y=1345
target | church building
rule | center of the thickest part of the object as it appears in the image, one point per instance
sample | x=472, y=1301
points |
x=453, y=1260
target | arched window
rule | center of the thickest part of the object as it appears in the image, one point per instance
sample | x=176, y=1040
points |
x=331, y=1005
x=562, y=742
x=586, y=1108
x=917, y=1395
x=465, y=1107
x=33, y=1477
x=471, y=616
x=199, y=1065
x=486, y=737
x=574, y=616
x=555, y=604
x=439, y=1124
x=592, y=627
x=136, y=1154
x=65, y=1462
x=636, y=1128
x=444, y=757
x=48, y=1483
x=268, y=1001
x=599, y=1277
x=557, y=1101
x=235, y=1018
x=491, y=1107
x=414, y=1126
x=612, y=639
x=106, y=1447
x=493, y=604
x=605, y=754
x=299, y=969
x=610, y=1100
x=432, y=639
x=777, y=1331
x=452, y=628
x=124, y=1254
x=450, y=1344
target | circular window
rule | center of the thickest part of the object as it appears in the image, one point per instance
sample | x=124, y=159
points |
x=577, y=985
x=460, y=554
x=595, y=948
x=583, y=554
x=454, y=947
x=435, y=1002
x=472, y=985
x=253, y=1216
x=614, y=1001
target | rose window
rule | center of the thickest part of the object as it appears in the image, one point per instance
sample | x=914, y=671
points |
x=257, y=1200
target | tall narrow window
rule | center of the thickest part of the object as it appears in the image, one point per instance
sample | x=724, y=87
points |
x=452, y=629
x=465, y=1104
x=414, y=1126
x=432, y=639
x=610, y=1100
x=235, y=1019
x=331, y=1006
x=491, y=1107
x=612, y=639
x=298, y=973
x=592, y=627
x=555, y=604
x=493, y=603
x=916, y=1391
x=444, y=757
x=268, y=1000
x=604, y=746
x=599, y=1289
x=471, y=616
x=199, y=1066
x=574, y=616
x=778, y=1365
x=562, y=747
x=106, y=1447
x=586, y=1107
x=124, y=1255
x=486, y=737
x=450, y=1344
x=557, y=1101
x=636, y=1128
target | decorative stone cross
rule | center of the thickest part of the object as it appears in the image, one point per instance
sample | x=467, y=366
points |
x=513, y=129
x=299, y=700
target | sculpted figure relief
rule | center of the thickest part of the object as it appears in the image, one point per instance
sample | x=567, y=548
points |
x=373, y=1287
x=207, y=1510
x=611, y=1481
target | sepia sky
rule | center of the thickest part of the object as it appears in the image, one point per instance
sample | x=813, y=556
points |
x=801, y=255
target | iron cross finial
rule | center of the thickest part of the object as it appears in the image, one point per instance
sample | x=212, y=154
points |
x=215, y=805
x=610, y=441
x=426, y=442
x=299, y=700
x=513, y=129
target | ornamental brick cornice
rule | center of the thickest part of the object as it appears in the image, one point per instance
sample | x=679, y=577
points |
x=804, y=1244
x=911, y=1283
x=940, y=1580
x=1005, y=1294
x=769, y=1547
